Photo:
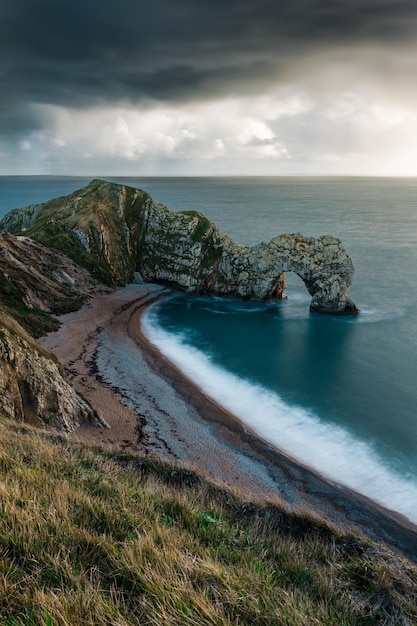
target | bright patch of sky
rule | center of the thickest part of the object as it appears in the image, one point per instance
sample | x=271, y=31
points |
x=203, y=87
x=278, y=133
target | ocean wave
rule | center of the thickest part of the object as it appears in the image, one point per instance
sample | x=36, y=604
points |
x=329, y=449
x=371, y=315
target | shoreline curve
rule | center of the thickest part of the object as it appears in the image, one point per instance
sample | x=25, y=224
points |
x=197, y=431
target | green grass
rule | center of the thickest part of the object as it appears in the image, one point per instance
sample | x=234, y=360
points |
x=96, y=538
x=35, y=321
x=56, y=221
x=13, y=292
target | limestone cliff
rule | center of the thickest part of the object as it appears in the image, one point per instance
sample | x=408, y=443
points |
x=32, y=388
x=186, y=250
x=35, y=284
x=114, y=231
x=97, y=227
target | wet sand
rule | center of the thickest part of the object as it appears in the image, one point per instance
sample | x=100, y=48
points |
x=152, y=408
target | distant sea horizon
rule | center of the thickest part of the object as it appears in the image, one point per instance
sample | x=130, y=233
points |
x=36, y=188
x=336, y=393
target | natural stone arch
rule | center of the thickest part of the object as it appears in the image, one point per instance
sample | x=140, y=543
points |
x=187, y=251
x=324, y=267
x=115, y=231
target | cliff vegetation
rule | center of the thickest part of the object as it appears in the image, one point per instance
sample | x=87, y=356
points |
x=96, y=538
x=115, y=231
x=35, y=285
x=97, y=227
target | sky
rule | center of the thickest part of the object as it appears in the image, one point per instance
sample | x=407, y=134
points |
x=208, y=87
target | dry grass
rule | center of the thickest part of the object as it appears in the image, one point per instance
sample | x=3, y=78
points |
x=92, y=538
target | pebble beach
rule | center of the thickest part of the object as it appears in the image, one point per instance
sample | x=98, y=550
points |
x=151, y=408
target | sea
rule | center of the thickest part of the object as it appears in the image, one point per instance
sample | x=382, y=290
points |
x=338, y=394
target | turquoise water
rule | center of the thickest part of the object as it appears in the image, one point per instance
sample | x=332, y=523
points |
x=339, y=394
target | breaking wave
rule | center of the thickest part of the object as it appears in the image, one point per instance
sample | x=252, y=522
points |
x=329, y=449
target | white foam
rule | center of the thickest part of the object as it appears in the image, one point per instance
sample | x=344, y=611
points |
x=370, y=315
x=329, y=449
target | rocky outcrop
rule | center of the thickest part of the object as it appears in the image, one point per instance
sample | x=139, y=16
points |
x=187, y=250
x=32, y=388
x=97, y=227
x=115, y=231
x=37, y=282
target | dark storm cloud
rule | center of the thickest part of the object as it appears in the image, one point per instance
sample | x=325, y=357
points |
x=83, y=53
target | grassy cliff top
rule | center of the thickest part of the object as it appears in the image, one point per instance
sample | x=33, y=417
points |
x=96, y=226
x=92, y=537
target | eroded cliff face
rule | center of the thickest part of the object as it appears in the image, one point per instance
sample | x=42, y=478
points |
x=115, y=231
x=97, y=227
x=37, y=283
x=187, y=250
x=32, y=388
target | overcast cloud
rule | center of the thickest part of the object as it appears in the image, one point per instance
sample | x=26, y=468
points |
x=208, y=87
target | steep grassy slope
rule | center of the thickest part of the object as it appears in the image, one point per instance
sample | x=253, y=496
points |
x=37, y=283
x=94, y=538
x=97, y=227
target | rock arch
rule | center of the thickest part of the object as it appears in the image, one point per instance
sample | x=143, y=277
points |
x=187, y=251
x=324, y=267
x=114, y=231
